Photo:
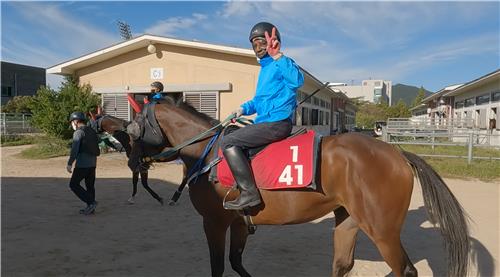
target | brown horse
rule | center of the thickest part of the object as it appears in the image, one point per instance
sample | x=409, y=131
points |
x=365, y=182
x=116, y=127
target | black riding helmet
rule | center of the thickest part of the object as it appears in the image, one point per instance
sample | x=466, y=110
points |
x=77, y=116
x=157, y=85
x=259, y=30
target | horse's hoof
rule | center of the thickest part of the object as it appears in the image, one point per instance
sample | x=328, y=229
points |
x=131, y=201
x=172, y=203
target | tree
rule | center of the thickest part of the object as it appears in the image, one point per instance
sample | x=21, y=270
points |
x=51, y=109
x=368, y=113
x=420, y=96
x=400, y=110
x=18, y=104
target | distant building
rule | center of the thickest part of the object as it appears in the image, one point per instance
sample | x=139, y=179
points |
x=375, y=91
x=18, y=79
x=473, y=105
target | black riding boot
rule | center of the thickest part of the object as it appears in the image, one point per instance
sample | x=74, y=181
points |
x=243, y=175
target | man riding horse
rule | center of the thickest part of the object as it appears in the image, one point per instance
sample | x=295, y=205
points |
x=274, y=102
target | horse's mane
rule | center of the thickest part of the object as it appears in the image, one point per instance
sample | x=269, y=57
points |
x=190, y=109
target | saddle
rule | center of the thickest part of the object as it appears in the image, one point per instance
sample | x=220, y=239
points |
x=293, y=159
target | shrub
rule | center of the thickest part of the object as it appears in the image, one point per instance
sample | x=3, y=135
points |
x=18, y=104
x=51, y=109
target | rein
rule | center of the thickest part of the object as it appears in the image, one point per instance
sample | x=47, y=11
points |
x=173, y=151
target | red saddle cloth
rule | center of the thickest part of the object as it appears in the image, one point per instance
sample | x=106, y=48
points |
x=284, y=164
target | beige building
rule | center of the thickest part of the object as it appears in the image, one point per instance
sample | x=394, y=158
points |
x=473, y=106
x=215, y=79
x=374, y=91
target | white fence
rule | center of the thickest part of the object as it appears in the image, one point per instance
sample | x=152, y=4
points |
x=446, y=133
x=16, y=124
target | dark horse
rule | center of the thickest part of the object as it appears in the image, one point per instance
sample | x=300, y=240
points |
x=116, y=127
x=366, y=183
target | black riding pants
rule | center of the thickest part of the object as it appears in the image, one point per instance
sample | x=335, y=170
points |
x=256, y=135
x=87, y=173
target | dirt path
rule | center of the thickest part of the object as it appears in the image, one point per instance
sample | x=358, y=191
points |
x=43, y=234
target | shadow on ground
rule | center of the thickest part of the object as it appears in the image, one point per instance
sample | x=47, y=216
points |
x=43, y=235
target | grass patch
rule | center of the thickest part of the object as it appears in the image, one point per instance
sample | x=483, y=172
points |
x=47, y=148
x=15, y=140
x=481, y=169
x=452, y=150
x=485, y=170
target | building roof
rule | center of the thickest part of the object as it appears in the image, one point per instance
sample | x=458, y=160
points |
x=440, y=93
x=420, y=106
x=472, y=84
x=69, y=67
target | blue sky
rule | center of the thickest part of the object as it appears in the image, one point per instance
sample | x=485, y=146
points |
x=430, y=44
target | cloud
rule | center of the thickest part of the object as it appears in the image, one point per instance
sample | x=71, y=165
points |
x=374, y=24
x=173, y=25
x=330, y=63
x=61, y=28
x=237, y=9
x=49, y=34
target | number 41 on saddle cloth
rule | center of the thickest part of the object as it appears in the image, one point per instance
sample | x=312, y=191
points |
x=289, y=163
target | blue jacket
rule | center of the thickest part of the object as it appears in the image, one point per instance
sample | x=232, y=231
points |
x=275, y=97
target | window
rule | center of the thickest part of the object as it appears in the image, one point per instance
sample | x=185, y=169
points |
x=377, y=83
x=6, y=91
x=204, y=102
x=469, y=102
x=320, y=118
x=327, y=118
x=314, y=117
x=322, y=103
x=116, y=105
x=483, y=99
x=327, y=105
x=495, y=96
x=459, y=104
x=315, y=101
x=305, y=116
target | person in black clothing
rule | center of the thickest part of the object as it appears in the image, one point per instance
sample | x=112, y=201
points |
x=84, y=150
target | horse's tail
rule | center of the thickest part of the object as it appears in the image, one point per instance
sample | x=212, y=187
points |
x=444, y=209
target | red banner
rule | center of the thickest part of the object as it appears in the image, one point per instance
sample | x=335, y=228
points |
x=137, y=108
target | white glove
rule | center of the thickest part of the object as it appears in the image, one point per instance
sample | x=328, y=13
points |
x=238, y=112
x=68, y=168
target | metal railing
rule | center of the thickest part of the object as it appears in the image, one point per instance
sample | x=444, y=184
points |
x=394, y=124
x=441, y=132
x=16, y=124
